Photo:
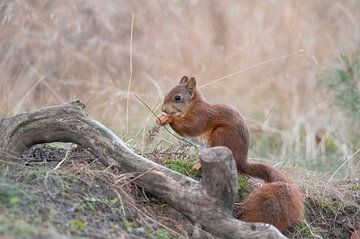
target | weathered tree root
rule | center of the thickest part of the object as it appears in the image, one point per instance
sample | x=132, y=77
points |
x=208, y=202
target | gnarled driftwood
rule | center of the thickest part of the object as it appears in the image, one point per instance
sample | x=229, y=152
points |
x=208, y=202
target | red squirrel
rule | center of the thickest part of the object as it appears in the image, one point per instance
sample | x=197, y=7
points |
x=279, y=201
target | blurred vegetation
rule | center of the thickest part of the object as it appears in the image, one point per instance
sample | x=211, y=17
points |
x=343, y=81
x=321, y=148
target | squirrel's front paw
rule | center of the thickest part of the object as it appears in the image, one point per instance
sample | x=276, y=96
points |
x=163, y=119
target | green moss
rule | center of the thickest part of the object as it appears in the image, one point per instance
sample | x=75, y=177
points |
x=25, y=205
x=353, y=186
x=114, y=201
x=10, y=195
x=243, y=187
x=160, y=234
x=16, y=227
x=128, y=225
x=183, y=167
x=146, y=231
x=78, y=224
x=67, y=182
x=89, y=203
x=32, y=173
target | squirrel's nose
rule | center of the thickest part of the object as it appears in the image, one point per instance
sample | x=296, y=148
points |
x=163, y=109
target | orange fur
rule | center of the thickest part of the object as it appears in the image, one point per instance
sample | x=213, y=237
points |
x=279, y=201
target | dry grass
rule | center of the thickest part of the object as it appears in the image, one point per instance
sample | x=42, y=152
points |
x=82, y=198
x=262, y=57
x=73, y=195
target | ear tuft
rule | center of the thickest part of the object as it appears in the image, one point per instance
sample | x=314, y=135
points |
x=191, y=85
x=184, y=80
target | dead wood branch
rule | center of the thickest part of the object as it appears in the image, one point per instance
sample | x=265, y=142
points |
x=208, y=202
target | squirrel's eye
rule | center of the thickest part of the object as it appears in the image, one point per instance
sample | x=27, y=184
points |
x=177, y=97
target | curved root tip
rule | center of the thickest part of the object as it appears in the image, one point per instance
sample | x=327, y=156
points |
x=78, y=104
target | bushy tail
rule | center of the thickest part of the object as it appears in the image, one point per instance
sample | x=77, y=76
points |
x=265, y=172
x=278, y=202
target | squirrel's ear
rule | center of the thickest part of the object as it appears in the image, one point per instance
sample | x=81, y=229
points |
x=184, y=80
x=191, y=85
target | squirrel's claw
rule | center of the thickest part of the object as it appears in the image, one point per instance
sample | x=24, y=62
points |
x=163, y=119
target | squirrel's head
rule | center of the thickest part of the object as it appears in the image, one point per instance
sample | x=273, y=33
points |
x=178, y=101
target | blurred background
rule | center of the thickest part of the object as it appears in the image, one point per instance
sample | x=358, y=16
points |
x=290, y=67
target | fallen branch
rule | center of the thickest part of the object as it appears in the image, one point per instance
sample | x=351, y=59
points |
x=208, y=202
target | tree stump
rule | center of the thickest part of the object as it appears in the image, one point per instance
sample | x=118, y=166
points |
x=208, y=203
